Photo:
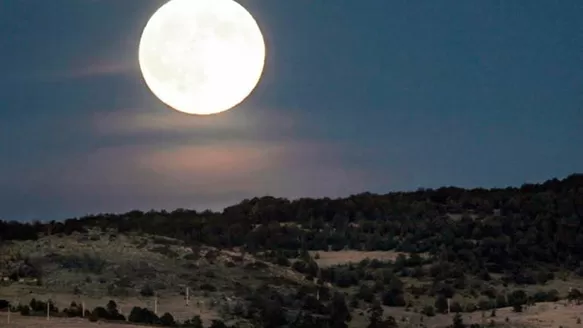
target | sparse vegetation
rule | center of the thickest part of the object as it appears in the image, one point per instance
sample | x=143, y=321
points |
x=306, y=262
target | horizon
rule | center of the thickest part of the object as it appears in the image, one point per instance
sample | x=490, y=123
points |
x=221, y=210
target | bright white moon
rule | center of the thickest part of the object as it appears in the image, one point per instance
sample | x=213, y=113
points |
x=202, y=56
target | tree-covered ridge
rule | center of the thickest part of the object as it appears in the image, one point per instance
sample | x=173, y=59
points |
x=487, y=229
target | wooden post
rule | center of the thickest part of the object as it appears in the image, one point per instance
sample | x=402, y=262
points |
x=187, y=295
x=448, y=305
x=83, y=309
x=156, y=304
x=9, y=310
x=48, y=309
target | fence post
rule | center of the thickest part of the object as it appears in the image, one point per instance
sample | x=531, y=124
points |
x=156, y=304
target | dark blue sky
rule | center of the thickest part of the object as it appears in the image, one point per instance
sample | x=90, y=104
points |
x=356, y=96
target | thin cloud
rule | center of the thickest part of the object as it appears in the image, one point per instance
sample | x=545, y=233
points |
x=98, y=69
x=93, y=69
x=121, y=178
x=136, y=121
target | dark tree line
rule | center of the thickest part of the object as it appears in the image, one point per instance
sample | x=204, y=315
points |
x=487, y=230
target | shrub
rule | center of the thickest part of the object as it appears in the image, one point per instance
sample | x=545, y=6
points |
x=208, y=287
x=167, y=320
x=143, y=315
x=147, y=291
x=428, y=310
x=195, y=322
x=218, y=324
x=100, y=312
x=455, y=307
x=441, y=304
x=25, y=310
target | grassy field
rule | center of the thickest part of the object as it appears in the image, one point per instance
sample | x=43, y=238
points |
x=551, y=315
x=18, y=321
x=548, y=315
x=97, y=267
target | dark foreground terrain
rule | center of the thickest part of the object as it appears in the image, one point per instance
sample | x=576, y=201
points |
x=499, y=257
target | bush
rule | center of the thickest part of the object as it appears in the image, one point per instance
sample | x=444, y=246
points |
x=208, y=287
x=100, y=312
x=93, y=317
x=218, y=324
x=147, y=291
x=40, y=306
x=195, y=322
x=428, y=310
x=143, y=315
x=167, y=320
x=455, y=307
x=25, y=310
x=471, y=307
x=457, y=321
x=393, y=299
x=282, y=261
x=441, y=304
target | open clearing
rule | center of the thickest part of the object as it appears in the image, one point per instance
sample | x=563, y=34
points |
x=541, y=315
x=544, y=315
x=18, y=321
x=327, y=259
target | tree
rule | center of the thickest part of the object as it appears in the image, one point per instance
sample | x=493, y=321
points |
x=147, y=291
x=143, y=315
x=339, y=312
x=428, y=310
x=111, y=306
x=517, y=299
x=376, y=315
x=167, y=320
x=24, y=310
x=218, y=324
x=195, y=322
x=458, y=321
x=574, y=295
x=441, y=304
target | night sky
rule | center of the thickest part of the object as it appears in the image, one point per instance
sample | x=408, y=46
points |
x=356, y=96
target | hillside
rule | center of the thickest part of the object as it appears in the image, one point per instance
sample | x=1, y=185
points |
x=98, y=266
x=384, y=260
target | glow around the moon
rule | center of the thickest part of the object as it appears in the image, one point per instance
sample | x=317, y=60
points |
x=202, y=56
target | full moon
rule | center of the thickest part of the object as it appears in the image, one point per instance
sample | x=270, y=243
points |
x=201, y=56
